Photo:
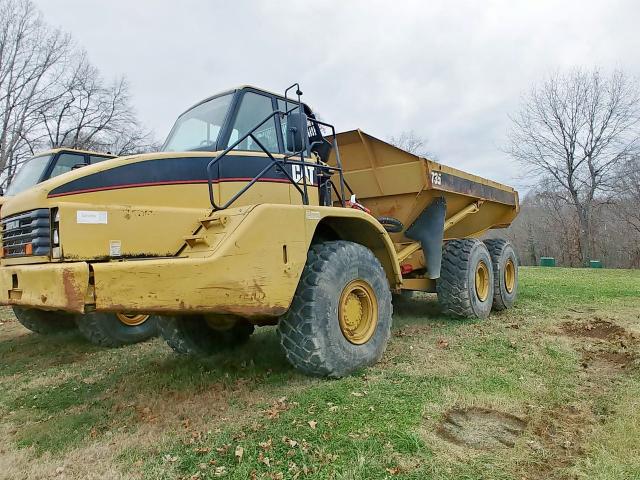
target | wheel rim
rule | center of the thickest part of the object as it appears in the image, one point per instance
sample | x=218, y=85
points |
x=482, y=281
x=358, y=312
x=132, y=319
x=509, y=276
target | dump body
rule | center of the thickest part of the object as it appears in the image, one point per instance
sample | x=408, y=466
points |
x=394, y=183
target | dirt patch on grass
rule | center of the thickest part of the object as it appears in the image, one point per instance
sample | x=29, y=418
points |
x=596, y=329
x=607, y=363
x=481, y=428
x=560, y=437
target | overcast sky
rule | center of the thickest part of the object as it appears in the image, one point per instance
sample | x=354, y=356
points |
x=452, y=71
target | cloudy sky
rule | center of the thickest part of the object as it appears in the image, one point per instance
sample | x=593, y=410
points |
x=452, y=71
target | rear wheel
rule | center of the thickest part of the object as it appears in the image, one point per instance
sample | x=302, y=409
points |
x=202, y=336
x=505, y=273
x=465, y=286
x=340, y=316
x=116, y=329
x=44, y=322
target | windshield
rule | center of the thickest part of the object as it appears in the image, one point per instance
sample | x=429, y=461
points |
x=28, y=175
x=198, y=129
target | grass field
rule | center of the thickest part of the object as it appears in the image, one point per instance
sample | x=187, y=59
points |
x=549, y=390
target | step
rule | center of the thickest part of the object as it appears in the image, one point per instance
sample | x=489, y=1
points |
x=214, y=221
x=193, y=240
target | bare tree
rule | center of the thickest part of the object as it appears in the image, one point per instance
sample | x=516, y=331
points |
x=411, y=142
x=91, y=115
x=575, y=129
x=628, y=195
x=51, y=96
x=29, y=54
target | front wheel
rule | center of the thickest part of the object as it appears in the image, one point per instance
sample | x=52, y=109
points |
x=340, y=316
x=117, y=329
x=44, y=322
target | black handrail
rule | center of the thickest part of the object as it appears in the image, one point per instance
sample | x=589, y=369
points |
x=279, y=164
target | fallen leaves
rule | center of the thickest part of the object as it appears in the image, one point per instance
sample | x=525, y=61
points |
x=279, y=406
x=442, y=343
x=223, y=449
x=290, y=442
x=266, y=446
x=312, y=424
x=359, y=394
x=265, y=460
x=239, y=453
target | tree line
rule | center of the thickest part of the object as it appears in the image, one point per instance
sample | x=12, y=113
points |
x=577, y=139
x=52, y=96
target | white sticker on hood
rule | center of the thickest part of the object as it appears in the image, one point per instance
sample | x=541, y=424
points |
x=91, y=216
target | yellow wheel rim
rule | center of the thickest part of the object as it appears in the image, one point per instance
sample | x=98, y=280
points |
x=132, y=319
x=358, y=312
x=482, y=281
x=509, y=276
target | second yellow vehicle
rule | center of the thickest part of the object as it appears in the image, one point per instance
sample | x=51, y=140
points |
x=121, y=328
x=257, y=213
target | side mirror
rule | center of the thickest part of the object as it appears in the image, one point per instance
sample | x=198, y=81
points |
x=297, y=132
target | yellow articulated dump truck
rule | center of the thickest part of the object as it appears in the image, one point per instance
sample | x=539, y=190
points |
x=258, y=213
x=122, y=328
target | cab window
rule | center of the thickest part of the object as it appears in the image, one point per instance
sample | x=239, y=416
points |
x=65, y=163
x=96, y=159
x=253, y=109
x=198, y=128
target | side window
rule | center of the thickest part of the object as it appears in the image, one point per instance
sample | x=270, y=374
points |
x=95, y=159
x=65, y=163
x=253, y=109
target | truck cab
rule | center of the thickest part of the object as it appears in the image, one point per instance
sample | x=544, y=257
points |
x=50, y=164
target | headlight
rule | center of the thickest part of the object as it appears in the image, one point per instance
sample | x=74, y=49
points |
x=55, y=234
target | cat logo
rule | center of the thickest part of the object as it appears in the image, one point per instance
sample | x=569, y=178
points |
x=296, y=173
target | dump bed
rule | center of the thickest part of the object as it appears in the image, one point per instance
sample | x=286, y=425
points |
x=395, y=183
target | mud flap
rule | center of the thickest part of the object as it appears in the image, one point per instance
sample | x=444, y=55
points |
x=428, y=229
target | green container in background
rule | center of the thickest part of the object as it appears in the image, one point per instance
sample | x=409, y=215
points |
x=547, y=262
x=595, y=264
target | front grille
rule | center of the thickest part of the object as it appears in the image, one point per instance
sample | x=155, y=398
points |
x=27, y=233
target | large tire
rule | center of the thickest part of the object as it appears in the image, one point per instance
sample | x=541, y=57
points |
x=340, y=316
x=465, y=286
x=44, y=322
x=505, y=272
x=107, y=330
x=193, y=335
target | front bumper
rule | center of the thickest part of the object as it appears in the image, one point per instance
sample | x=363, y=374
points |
x=57, y=286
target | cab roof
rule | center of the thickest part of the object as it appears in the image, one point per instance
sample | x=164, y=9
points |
x=237, y=89
x=53, y=151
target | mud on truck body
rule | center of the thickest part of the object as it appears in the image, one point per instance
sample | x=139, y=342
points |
x=257, y=213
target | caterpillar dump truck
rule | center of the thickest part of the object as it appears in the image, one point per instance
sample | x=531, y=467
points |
x=258, y=213
x=123, y=328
